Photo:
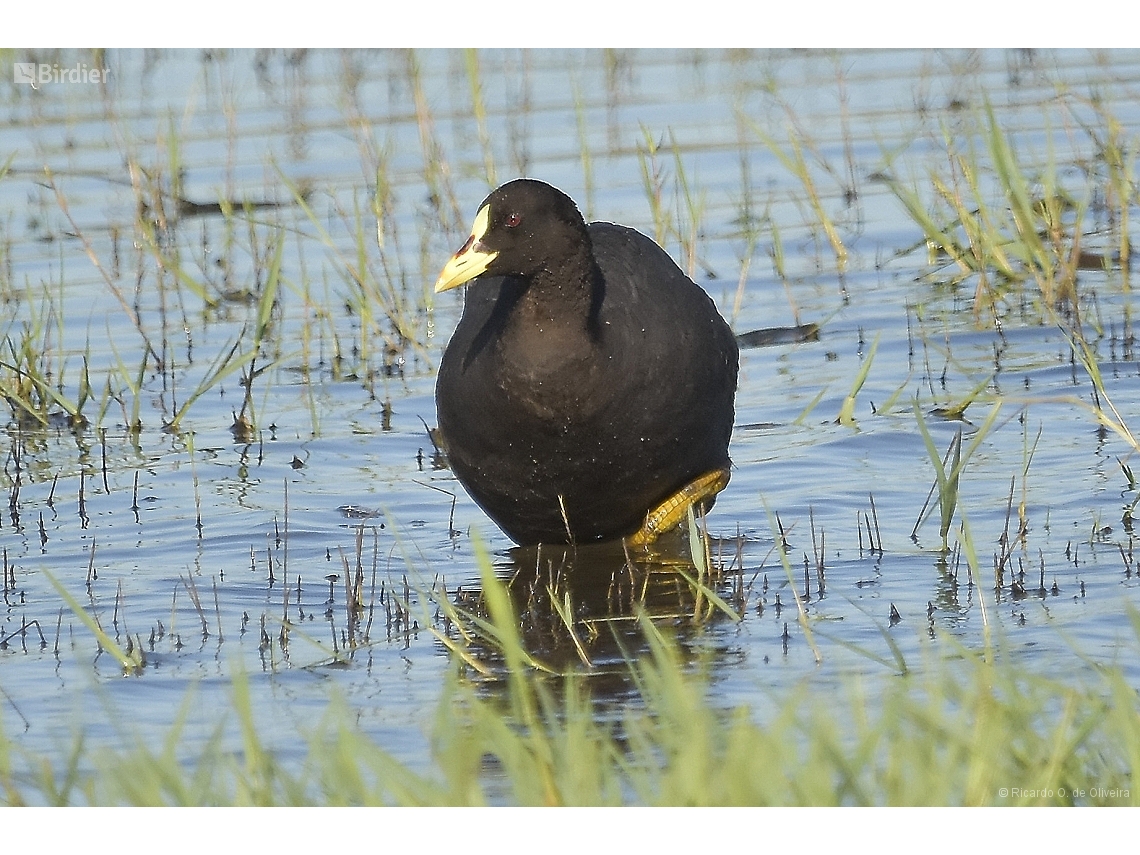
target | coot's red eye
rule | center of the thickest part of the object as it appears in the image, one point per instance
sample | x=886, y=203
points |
x=513, y=220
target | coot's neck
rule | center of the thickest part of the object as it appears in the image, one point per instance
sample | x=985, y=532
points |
x=565, y=292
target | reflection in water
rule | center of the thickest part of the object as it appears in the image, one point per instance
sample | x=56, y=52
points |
x=580, y=606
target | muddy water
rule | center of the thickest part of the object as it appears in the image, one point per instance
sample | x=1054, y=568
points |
x=144, y=215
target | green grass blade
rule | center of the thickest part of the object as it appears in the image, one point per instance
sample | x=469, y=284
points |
x=131, y=663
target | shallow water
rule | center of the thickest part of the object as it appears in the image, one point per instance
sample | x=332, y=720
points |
x=339, y=411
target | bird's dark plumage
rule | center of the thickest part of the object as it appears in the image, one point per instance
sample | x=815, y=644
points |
x=588, y=379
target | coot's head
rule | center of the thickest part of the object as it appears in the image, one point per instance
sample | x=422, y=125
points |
x=523, y=227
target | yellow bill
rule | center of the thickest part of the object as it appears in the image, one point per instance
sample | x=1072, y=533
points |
x=471, y=259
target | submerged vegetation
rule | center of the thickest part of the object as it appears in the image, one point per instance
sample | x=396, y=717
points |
x=233, y=325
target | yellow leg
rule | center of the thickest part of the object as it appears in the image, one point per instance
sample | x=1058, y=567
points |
x=672, y=511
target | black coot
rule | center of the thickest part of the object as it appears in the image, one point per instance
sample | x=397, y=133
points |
x=587, y=392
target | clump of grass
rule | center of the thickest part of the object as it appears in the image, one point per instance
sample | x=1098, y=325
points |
x=479, y=110
x=392, y=318
x=690, y=210
x=1118, y=154
x=1102, y=407
x=653, y=179
x=585, y=154
x=684, y=222
x=1005, y=224
x=947, y=482
x=33, y=367
x=796, y=163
